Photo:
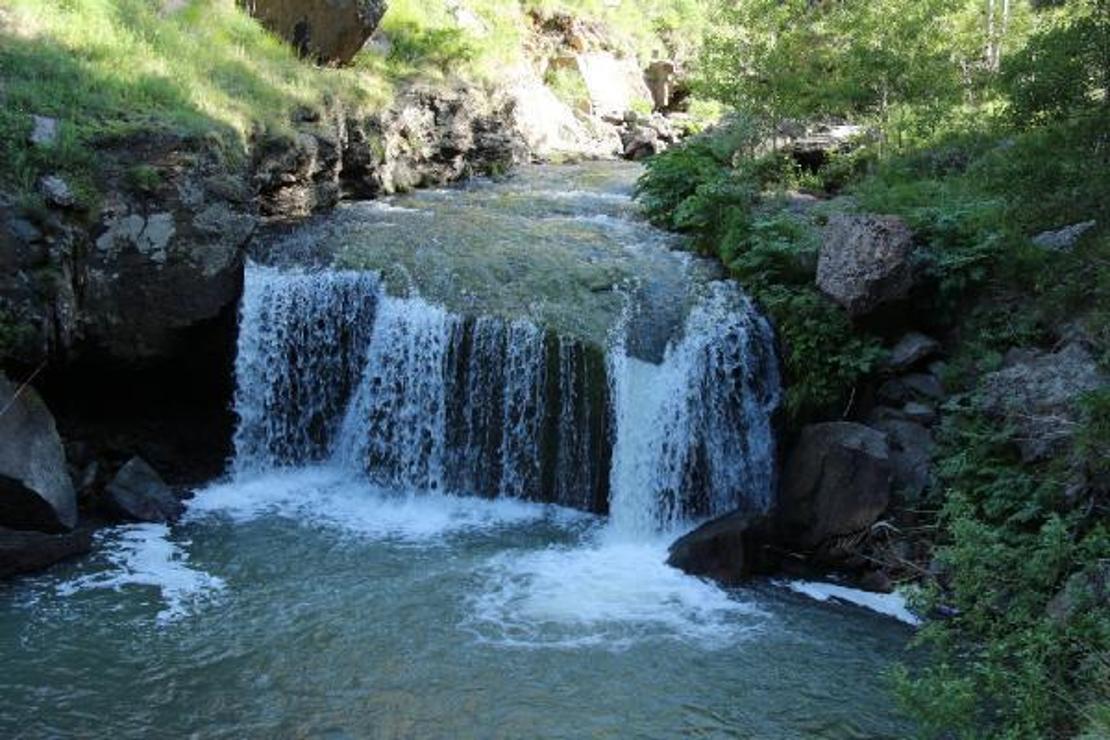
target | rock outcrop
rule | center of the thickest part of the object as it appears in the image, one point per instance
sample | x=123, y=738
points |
x=1037, y=394
x=837, y=482
x=865, y=261
x=35, y=490
x=328, y=31
x=139, y=494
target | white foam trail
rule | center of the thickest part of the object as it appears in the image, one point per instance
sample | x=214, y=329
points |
x=608, y=593
x=143, y=555
x=891, y=605
x=342, y=501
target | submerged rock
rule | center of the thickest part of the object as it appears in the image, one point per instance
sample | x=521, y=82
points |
x=837, y=482
x=865, y=261
x=35, y=489
x=28, y=552
x=138, y=493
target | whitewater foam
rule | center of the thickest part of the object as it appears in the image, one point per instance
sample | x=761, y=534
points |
x=144, y=555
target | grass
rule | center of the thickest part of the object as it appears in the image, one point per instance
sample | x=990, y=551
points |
x=107, y=69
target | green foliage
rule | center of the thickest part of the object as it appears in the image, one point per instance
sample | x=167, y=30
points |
x=568, y=85
x=1012, y=666
x=143, y=178
x=1064, y=69
x=695, y=189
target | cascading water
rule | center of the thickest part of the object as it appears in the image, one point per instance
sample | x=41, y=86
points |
x=377, y=564
x=332, y=367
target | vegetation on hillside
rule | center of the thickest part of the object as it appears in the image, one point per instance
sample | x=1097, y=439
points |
x=987, y=129
x=107, y=69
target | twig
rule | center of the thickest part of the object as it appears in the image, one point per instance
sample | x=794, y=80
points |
x=21, y=388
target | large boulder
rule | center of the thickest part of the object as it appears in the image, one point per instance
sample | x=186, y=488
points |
x=138, y=493
x=329, y=31
x=865, y=261
x=1037, y=394
x=837, y=482
x=716, y=549
x=911, y=455
x=614, y=85
x=27, y=552
x=35, y=490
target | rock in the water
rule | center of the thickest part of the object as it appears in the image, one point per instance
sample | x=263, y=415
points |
x=837, y=482
x=44, y=131
x=911, y=455
x=865, y=261
x=715, y=550
x=137, y=493
x=1037, y=393
x=912, y=349
x=1063, y=239
x=330, y=31
x=27, y=552
x=56, y=191
x=35, y=489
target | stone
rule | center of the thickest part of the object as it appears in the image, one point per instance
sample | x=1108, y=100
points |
x=612, y=84
x=920, y=413
x=1037, y=392
x=715, y=550
x=44, y=131
x=836, y=482
x=865, y=261
x=1087, y=590
x=912, y=349
x=660, y=79
x=56, y=191
x=29, y=552
x=911, y=456
x=35, y=488
x=914, y=387
x=138, y=493
x=1063, y=240
x=329, y=31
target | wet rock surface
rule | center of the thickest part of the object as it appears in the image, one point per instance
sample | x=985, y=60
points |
x=138, y=493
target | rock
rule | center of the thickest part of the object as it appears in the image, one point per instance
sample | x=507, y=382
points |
x=44, y=131
x=715, y=550
x=1086, y=591
x=1063, y=239
x=28, y=552
x=137, y=493
x=836, y=482
x=35, y=489
x=912, y=349
x=920, y=413
x=643, y=142
x=914, y=387
x=865, y=261
x=329, y=31
x=911, y=456
x=56, y=191
x=1036, y=393
x=660, y=79
x=613, y=84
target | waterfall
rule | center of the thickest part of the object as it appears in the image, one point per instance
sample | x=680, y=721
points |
x=333, y=369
